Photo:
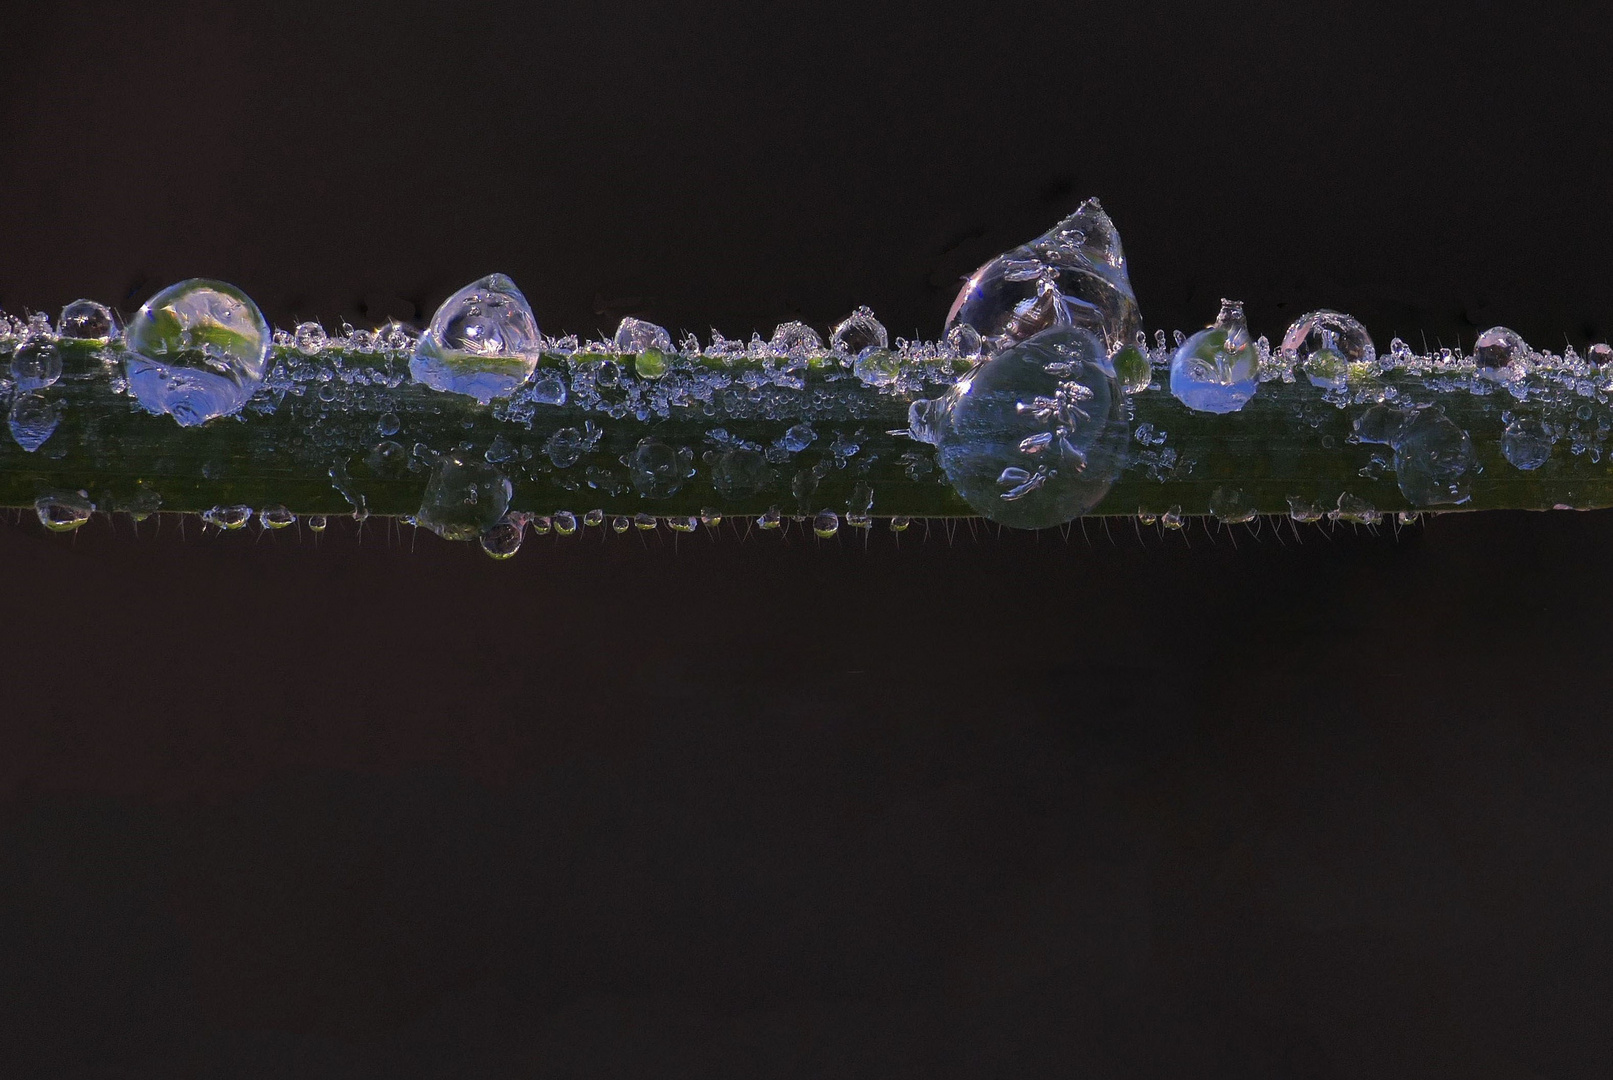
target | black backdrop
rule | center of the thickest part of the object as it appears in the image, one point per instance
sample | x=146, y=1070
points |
x=983, y=805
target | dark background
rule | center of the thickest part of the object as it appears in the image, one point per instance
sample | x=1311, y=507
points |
x=993, y=805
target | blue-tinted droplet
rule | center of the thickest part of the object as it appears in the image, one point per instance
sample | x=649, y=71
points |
x=1217, y=370
x=36, y=365
x=197, y=350
x=1034, y=436
x=1527, y=444
x=33, y=420
x=483, y=342
x=1434, y=460
x=1072, y=275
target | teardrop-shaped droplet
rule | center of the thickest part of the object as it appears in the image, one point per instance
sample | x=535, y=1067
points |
x=1072, y=275
x=33, y=419
x=464, y=498
x=197, y=350
x=86, y=320
x=483, y=342
x=1034, y=436
x=1325, y=344
x=1217, y=370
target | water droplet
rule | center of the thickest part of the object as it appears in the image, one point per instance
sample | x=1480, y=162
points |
x=644, y=522
x=317, y=523
x=1501, y=353
x=1304, y=511
x=310, y=338
x=1133, y=368
x=798, y=438
x=593, y=518
x=607, y=374
x=549, y=389
x=620, y=524
x=1600, y=355
x=1380, y=424
x=772, y=519
x=877, y=367
x=1217, y=370
x=86, y=320
x=1172, y=518
x=33, y=420
x=900, y=523
x=1356, y=510
x=964, y=341
x=540, y=524
x=1433, y=460
x=826, y=524
x=858, y=331
x=1325, y=343
x=565, y=447
x=1231, y=506
x=659, y=470
x=464, y=498
x=565, y=523
x=710, y=517
x=1034, y=436
x=63, y=511
x=1407, y=517
x=196, y=350
x=228, y=517
x=859, y=505
x=1072, y=275
x=36, y=365
x=276, y=517
x=796, y=340
x=483, y=342
x=679, y=523
x=1527, y=444
x=388, y=459
x=388, y=424
x=503, y=540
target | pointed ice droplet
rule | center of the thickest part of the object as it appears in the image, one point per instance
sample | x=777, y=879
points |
x=988, y=430
x=1072, y=275
x=33, y=420
x=1501, y=353
x=636, y=335
x=465, y=497
x=797, y=340
x=1324, y=344
x=197, y=350
x=1217, y=370
x=858, y=331
x=86, y=320
x=483, y=342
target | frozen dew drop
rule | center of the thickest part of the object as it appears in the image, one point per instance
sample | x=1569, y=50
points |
x=1072, y=275
x=658, y=470
x=826, y=524
x=317, y=523
x=608, y=374
x=740, y=472
x=593, y=518
x=1034, y=436
x=465, y=497
x=33, y=419
x=1217, y=370
x=196, y=350
x=798, y=438
x=682, y=524
x=1303, y=511
x=1433, y=460
x=229, y=518
x=644, y=522
x=859, y=505
x=796, y=340
x=310, y=338
x=651, y=344
x=388, y=424
x=1355, y=510
x=620, y=524
x=1380, y=424
x=772, y=519
x=1600, y=355
x=36, y=365
x=1526, y=444
x=877, y=367
x=964, y=341
x=1172, y=518
x=549, y=389
x=565, y=523
x=900, y=523
x=1133, y=368
x=1231, y=506
x=565, y=447
x=1325, y=344
x=1501, y=353
x=503, y=540
x=1407, y=517
x=483, y=342
x=86, y=320
x=276, y=517
x=858, y=331
x=63, y=511
x=397, y=337
x=710, y=517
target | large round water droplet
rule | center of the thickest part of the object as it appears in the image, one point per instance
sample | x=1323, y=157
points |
x=1500, y=353
x=465, y=497
x=197, y=350
x=86, y=320
x=1072, y=275
x=1034, y=436
x=859, y=331
x=1217, y=370
x=1324, y=344
x=33, y=420
x=503, y=540
x=483, y=342
x=659, y=470
x=1433, y=460
x=1527, y=444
